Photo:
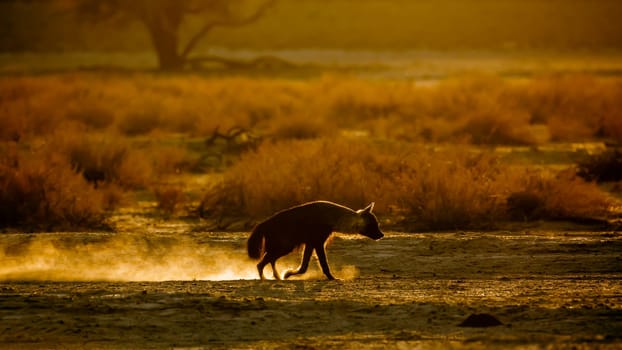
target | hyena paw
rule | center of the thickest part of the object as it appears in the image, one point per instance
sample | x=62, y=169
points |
x=289, y=273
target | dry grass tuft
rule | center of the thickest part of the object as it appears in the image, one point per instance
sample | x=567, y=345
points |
x=140, y=123
x=453, y=189
x=96, y=117
x=171, y=159
x=169, y=199
x=42, y=192
x=606, y=166
x=300, y=128
x=106, y=159
x=561, y=196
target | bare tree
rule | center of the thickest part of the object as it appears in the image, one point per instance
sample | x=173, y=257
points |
x=163, y=20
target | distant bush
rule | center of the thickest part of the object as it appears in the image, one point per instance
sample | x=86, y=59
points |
x=300, y=128
x=171, y=159
x=606, y=166
x=453, y=189
x=26, y=107
x=96, y=117
x=106, y=159
x=574, y=107
x=525, y=205
x=352, y=101
x=42, y=192
x=484, y=110
x=169, y=199
x=505, y=129
x=561, y=196
x=139, y=123
x=12, y=128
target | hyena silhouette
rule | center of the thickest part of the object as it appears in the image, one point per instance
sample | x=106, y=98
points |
x=308, y=224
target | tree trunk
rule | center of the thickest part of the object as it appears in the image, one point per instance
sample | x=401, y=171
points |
x=164, y=36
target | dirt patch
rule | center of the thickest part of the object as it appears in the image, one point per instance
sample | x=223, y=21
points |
x=552, y=289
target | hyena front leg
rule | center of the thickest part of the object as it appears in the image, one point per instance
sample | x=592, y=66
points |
x=306, y=256
x=321, y=255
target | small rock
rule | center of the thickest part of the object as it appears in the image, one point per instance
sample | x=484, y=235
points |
x=480, y=320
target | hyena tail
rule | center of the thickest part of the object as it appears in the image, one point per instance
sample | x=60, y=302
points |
x=255, y=243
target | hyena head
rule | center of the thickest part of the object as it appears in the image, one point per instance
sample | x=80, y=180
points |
x=368, y=225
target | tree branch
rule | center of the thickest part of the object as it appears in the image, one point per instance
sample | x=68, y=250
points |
x=224, y=22
x=195, y=40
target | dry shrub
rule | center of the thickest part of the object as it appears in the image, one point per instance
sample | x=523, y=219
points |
x=139, y=123
x=575, y=107
x=172, y=159
x=562, y=195
x=12, y=128
x=169, y=199
x=95, y=117
x=224, y=199
x=22, y=119
x=106, y=159
x=282, y=174
x=483, y=112
x=525, y=205
x=507, y=128
x=483, y=109
x=454, y=189
x=135, y=170
x=611, y=125
x=602, y=167
x=352, y=101
x=417, y=187
x=41, y=191
x=113, y=195
x=424, y=188
x=300, y=128
x=563, y=128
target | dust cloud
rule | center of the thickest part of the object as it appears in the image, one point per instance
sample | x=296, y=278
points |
x=134, y=257
x=109, y=257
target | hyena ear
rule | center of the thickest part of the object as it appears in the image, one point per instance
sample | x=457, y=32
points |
x=369, y=208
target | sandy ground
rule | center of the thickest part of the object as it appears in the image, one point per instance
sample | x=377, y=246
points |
x=549, y=289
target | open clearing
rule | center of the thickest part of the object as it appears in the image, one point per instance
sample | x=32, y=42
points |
x=557, y=289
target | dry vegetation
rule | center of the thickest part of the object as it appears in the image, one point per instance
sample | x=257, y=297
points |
x=337, y=138
x=480, y=109
x=41, y=191
x=170, y=199
x=417, y=188
x=105, y=159
x=603, y=167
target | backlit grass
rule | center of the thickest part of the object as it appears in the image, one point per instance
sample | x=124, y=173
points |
x=482, y=110
x=40, y=191
x=353, y=141
x=414, y=186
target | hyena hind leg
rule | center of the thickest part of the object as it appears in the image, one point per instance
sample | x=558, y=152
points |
x=260, y=267
x=268, y=259
x=275, y=273
x=306, y=256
